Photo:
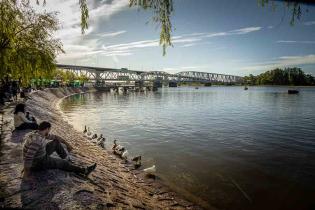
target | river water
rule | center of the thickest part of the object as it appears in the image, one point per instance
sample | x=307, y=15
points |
x=223, y=147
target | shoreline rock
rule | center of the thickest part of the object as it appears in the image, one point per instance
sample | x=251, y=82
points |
x=113, y=185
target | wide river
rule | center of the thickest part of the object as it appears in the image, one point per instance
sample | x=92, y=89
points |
x=222, y=147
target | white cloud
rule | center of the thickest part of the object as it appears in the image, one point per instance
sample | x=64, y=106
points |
x=281, y=62
x=126, y=49
x=240, y=31
x=177, y=37
x=132, y=45
x=186, y=40
x=190, y=39
x=73, y=47
x=245, y=30
x=309, y=23
x=196, y=44
x=188, y=45
x=192, y=67
x=184, y=68
x=194, y=38
x=116, y=53
x=170, y=69
x=216, y=34
x=76, y=45
x=108, y=9
x=79, y=46
x=146, y=43
x=112, y=34
x=295, y=42
x=194, y=34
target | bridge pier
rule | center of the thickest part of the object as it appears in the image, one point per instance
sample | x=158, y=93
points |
x=157, y=83
x=125, y=89
x=172, y=84
x=139, y=86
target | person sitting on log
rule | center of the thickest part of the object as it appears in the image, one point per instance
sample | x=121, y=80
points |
x=39, y=145
x=20, y=120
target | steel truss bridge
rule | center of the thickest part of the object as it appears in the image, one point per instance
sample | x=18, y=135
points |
x=110, y=74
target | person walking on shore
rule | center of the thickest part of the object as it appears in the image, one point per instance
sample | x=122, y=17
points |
x=20, y=120
x=39, y=145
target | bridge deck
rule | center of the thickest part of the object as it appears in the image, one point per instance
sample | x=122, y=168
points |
x=99, y=73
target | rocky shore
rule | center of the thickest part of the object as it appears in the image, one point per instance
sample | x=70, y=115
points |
x=113, y=185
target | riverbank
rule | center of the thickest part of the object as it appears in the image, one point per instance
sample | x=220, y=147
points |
x=114, y=184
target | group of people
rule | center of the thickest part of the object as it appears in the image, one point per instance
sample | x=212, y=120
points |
x=9, y=90
x=39, y=145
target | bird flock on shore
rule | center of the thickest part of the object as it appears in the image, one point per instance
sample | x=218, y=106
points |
x=118, y=150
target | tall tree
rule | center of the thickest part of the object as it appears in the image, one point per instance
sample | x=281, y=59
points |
x=27, y=48
x=287, y=76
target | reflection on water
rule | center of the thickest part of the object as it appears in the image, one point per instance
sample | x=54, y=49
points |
x=220, y=146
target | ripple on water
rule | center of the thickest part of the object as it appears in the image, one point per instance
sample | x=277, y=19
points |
x=204, y=141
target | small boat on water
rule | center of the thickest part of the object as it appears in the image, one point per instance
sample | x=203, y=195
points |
x=293, y=91
x=245, y=88
x=196, y=88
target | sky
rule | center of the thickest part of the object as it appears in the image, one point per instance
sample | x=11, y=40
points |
x=237, y=37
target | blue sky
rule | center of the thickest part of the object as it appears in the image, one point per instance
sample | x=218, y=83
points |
x=236, y=37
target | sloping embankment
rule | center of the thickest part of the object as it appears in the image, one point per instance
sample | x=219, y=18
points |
x=113, y=185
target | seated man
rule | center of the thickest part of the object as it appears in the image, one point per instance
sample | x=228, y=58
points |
x=39, y=145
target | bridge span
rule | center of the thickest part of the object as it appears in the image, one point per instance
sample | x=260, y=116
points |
x=111, y=74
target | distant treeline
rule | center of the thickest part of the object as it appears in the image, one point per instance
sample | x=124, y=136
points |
x=287, y=76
